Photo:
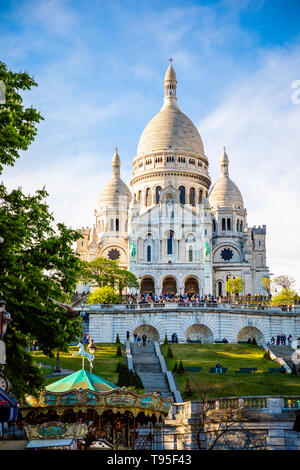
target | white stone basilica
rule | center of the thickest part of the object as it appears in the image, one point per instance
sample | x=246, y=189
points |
x=169, y=230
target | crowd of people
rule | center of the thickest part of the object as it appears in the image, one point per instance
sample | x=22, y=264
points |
x=281, y=339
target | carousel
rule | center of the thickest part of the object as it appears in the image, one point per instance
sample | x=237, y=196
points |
x=83, y=411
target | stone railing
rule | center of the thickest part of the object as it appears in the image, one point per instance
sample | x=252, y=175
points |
x=181, y=305
x=266, y=404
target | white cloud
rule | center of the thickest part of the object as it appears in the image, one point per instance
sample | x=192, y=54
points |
x=259, y=125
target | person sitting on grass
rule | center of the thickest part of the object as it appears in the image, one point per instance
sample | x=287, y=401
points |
x=219, y=368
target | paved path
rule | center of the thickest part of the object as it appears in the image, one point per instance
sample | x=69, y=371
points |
x=147, y=365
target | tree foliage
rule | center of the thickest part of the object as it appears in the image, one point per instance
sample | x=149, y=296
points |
x=37, y=261
x=235, y=285
x=284, y=281
x=103, y=295
x=103, y=272
x=17, y=124
x=285, y=297
x=266, y=283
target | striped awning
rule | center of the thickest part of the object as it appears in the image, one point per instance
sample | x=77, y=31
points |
x=8, y=407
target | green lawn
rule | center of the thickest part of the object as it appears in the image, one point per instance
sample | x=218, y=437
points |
x=105, y=362
x=232, y=356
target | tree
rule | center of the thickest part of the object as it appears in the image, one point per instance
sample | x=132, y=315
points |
x=235, y=285
x=170, y=354
x=37, y=261
x=285, y=297
x=284, y=281
x=17, y=124
x=102, y=272
x=266, y=282
x=36, y=264
x=180, y=368
x=103, y=295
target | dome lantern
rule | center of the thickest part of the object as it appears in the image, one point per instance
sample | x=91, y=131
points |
x=170, y=84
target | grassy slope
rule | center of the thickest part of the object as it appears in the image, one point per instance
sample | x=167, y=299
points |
x=232, y=356
x=105, y=362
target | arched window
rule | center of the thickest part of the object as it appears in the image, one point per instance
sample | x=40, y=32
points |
x=148, y=197
x=170, y=243
x=241, y=226
x=200, y=196
x=237, y=225
x=220, y=288
x=148, y=253
x=182, y=194
x=190, y=254
x=228, y=224
x=117, y=225
x=111, y=225
x=214, y=225
x=192, y=196
x=157, y=194
x=139, y=196
x=223, y=224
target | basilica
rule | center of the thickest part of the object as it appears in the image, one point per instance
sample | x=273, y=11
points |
x=174, y=231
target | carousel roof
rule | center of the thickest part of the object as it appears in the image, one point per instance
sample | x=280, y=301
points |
x=82, y=379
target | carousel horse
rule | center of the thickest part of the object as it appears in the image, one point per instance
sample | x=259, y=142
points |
x=83, y=353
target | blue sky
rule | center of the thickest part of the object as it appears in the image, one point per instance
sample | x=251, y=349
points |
x=100, y=68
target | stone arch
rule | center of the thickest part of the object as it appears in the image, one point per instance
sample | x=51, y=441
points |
x=199, y=331
x=191, y=285
x=147, y=330
x=169, y=285
x=147, y=285
x=250, y=332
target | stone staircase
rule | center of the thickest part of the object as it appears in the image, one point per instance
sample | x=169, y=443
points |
x=147, y=365
x=285, y=352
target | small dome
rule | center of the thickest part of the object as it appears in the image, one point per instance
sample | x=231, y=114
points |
x=115, y=192
x=225, y=192
x=170, y=74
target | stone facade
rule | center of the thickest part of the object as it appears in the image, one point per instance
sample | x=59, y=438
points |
x=175, y=235
x=205, y=323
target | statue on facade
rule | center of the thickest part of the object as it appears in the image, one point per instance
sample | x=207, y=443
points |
x=132, y=249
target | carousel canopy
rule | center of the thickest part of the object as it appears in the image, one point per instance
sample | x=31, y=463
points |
x=82, y=379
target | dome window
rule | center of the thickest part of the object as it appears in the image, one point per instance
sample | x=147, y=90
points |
x=148, y=254
x=157, y=194
x=192, y=196
x=182, y=194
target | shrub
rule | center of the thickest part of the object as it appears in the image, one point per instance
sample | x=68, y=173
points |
x=103, y=295
x=128, y=378
x=175, y=368
x=170, y=354
x=188, y=389
x=180, y=368
x=119, y=351
x=254, y=342
x=118, y=339
x=119, y=367
x=267, y=355
x=166, y=340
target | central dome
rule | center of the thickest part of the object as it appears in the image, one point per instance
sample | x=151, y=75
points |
x=170, y=129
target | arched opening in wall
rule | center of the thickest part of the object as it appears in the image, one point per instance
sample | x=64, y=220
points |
x=147, y=330
x=139, y=198
x=117, y=225
x=219, y=288
x=170, y=243
x=249, y=333
x=157, y=194
x=148, y=197
x=191, y=286
x=192, y=196
x=111, y=225
x=147, y=286
x=182, y=194
x=148, y=253
x=228, y=224
x=169, y=286
x=190, y=254
x=200, y=196
x=214, y=225
x=223, y=224
x=199, y=333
